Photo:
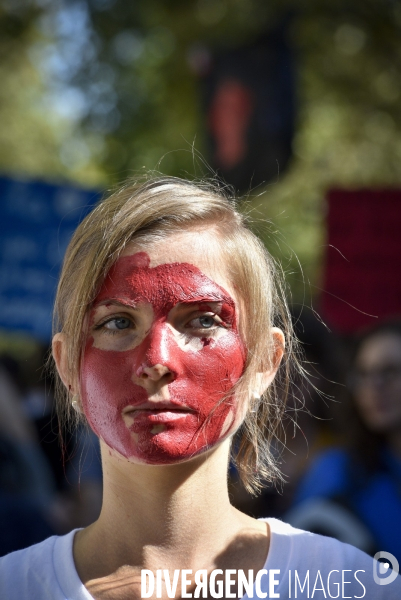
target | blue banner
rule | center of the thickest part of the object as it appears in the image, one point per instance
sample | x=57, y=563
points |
x=36, y=223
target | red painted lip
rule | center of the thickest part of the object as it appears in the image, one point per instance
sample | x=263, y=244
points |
x=159, y=416
x=157, y=407
x=156, y=412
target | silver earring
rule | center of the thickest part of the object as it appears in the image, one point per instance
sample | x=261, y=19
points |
x=75, y=403
x=256, y=398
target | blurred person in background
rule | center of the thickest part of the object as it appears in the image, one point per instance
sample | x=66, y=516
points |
x=307, y=425
x=47, y=486
x=27, y=484
x=74, y=457
x=353, y=492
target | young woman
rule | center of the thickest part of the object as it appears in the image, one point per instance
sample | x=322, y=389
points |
x=170, y=332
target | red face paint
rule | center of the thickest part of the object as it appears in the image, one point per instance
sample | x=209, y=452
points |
x=180, y=414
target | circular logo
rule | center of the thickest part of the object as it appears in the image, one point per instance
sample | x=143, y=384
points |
x=385, y=571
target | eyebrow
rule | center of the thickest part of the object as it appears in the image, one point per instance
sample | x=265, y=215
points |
x=186, y=303
x=115, y=302
x=203, y=303
x=222, y=300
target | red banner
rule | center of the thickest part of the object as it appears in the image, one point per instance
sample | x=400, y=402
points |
x=363, y=258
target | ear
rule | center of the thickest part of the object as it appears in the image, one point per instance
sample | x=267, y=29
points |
x=265, y=379
x=59, y=349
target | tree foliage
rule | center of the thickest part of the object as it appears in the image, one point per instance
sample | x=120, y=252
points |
x=94, y=90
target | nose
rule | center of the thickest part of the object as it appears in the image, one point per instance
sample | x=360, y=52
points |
x=155, y=373
x=155, y=367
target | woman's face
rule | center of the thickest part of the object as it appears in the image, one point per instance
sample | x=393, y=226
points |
x=378, y=382
x=162, y=351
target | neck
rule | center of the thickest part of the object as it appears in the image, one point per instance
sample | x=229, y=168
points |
x=150, y=513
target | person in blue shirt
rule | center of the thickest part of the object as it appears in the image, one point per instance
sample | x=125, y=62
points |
x=362, y=479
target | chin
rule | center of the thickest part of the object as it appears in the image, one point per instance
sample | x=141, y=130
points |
x=382, y=425
x=159, y=451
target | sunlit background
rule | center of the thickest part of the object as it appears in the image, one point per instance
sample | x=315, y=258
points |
x=295, y=104
x=93, y=91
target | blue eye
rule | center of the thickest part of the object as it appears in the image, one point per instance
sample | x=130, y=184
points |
x=203, y=322
x=118, y=323
x=207, y=322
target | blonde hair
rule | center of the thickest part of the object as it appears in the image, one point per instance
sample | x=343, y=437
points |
x=150, y=210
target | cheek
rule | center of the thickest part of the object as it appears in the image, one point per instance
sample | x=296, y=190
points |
x=106, y=388
x=208, y=375
x=203, y=378
x=107, y=376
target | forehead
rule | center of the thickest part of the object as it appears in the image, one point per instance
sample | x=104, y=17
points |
x=132, y=280
x=380, y=348
x=199, y=248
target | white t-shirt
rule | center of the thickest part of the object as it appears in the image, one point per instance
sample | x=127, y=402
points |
x=306, y=565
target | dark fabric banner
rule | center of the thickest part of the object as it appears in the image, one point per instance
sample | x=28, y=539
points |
x=362, y=275
x=249, y=103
